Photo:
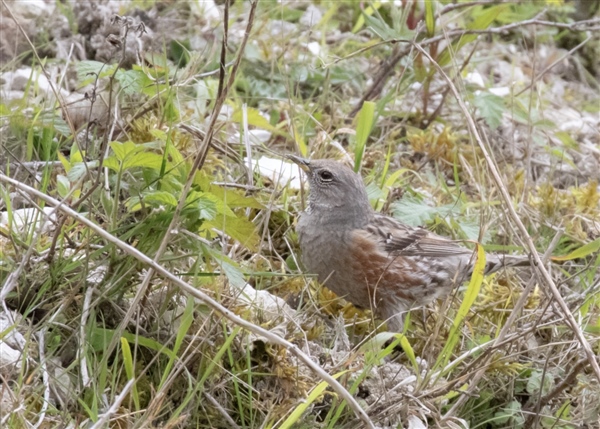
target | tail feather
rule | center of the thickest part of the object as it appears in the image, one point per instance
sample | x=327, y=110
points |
x=495, y=262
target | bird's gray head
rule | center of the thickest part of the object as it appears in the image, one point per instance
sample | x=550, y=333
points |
x=337, y=194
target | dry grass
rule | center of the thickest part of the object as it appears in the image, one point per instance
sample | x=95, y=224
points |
x=165, y=290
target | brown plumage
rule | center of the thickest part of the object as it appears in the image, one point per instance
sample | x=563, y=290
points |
x=372, y=260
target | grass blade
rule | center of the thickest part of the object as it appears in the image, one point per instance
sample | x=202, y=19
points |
x=364, y=125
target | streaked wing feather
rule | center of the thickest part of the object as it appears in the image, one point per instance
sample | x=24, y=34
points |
x=402, y=240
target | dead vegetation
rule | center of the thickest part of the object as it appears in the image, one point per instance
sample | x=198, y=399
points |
x=148, y=260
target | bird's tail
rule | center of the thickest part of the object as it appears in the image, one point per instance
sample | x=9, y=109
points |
x=495, y=262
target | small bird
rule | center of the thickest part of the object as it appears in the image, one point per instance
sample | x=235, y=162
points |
x=373, y=260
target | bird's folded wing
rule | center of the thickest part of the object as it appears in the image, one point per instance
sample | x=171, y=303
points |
x=402, y=240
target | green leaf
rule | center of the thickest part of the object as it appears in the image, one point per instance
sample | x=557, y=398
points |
x=509, y=413
x=470, y=228
x=220, y=206
x=580, y=252
x=99, y=339
x=233, y=198
x=380, y=27
x=485, y=17
x=567, y=139
x=184, y=326
x=90, y=70
x=112, y=163
x=180, y=52
x=414, y=212
x=64, y=161
x=490, y=107
x=430, y=18
x=374, y=354
x=158, y=198
x=76, y=155
x=535, y=382
x=233, y=274
x=237, y=228
x=254, y=118
x=202, y=205
x=130, y=370
x=374, y=193
x=62, y=185
x=121, y=150
x=470, y=295
x=369, y=10
x=364, y=125
x=372, y=347
x=131, y=155
x=228, y=267
x=146, y=160
x=561, y=154
x=314, y=395
x=131, y=81
x=78, y=169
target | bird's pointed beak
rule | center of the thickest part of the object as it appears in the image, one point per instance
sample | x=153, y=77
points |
x=303, y=163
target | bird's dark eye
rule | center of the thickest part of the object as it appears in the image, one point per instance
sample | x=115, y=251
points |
x=326, y=175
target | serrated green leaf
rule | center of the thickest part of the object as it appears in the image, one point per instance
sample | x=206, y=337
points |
x=76, y=155
x=507, y=413
x=239, y=229
x=202, y=205
x=535, y=382
x=374, y=193
x=233, y=198
x=145, y=160
x=220, y=205
x=233, y=274
x=414, y=212
x=112, y=163
x=490, y=107
x=131, y=155
x=157, y=198
x=545, y=125
x=64, y=161
x=121, y=150
x=470, y=229
x=90, y=70
x=380, y=27
x=229, y=268
x=79, y=169
x=63, y=186
x=131, y=81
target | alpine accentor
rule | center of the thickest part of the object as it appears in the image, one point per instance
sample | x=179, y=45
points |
x=372, y=260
